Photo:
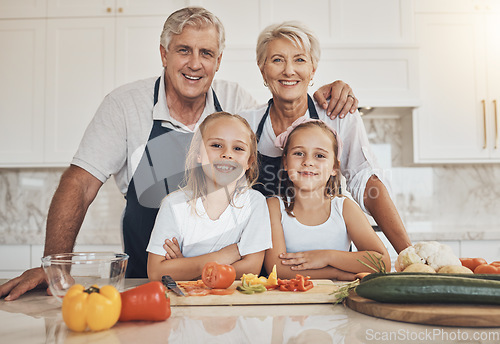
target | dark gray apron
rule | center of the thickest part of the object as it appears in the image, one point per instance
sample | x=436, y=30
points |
x=164, y=156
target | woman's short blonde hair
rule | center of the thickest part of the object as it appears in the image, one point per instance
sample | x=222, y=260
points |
x=194, y=16
x=296, y=32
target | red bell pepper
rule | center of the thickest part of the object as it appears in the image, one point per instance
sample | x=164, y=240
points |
x=299, y=283
x=145, y=302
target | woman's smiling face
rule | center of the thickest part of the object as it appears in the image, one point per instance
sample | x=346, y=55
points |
x=288, y=70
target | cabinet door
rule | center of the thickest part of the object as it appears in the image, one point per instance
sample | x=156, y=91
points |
x=79, y=8
x=150, y=7
x=449, y=126
x=493, y=76
x=21, y=91
x=23, y=8
x=371, y=22
x=80, y=72
x=138, y=48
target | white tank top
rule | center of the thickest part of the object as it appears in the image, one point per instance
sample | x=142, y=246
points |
x=330, y=235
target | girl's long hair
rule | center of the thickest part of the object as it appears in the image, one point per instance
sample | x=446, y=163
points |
x=195, y=179
x=332, y=187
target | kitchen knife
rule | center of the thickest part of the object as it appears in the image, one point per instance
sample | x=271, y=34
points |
x=169, y=282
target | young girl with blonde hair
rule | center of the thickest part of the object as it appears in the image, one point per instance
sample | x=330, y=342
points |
x=312, y=224
x=216, y=216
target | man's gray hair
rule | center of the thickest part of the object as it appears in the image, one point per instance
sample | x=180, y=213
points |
x=194, y=16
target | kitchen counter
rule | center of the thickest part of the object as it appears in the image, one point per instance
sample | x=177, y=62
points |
x=36, y=318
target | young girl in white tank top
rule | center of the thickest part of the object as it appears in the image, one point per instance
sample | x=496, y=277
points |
x=312, y=224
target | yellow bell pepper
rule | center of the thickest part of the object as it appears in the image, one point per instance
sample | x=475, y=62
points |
x=95, y=308
x=273, y=277
x=252, y=279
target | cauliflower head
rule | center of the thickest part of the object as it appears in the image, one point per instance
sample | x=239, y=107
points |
x=432, y=253
x=406, y=258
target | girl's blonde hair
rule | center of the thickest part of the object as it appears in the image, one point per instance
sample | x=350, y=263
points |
x=332, y=186
x=195, y=178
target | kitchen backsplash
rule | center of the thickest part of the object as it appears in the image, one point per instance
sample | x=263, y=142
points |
x=455, y=195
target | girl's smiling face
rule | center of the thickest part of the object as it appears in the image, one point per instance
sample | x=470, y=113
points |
x=310, y=159
x=225, y=151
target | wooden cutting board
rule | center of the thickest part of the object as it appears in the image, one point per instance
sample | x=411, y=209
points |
x=320, y=293
x=462, y=315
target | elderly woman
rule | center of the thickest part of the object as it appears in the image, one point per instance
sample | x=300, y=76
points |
x=288, y=56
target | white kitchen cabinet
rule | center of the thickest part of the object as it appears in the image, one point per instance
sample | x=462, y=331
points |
x=56, y=71
x=109, y=8
x=80, y=71
x=459, y=72
x=86, y=59
x=23, y=9
x=137, y=48
x=22, y=71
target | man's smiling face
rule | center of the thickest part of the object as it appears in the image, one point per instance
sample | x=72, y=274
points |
x=191, y=62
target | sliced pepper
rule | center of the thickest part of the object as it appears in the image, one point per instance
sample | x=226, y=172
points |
x=299, y=283
x=270, y=282
x=247, y=288
x=95, y=308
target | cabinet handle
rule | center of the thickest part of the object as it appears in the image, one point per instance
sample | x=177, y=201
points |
x=108, y=9
x=496, y=122
x=484, y=121
x=120, y=10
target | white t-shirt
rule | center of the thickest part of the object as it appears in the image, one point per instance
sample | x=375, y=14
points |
x=330, y=235
x=114, y=141
x=357, y=162
x=246, y=223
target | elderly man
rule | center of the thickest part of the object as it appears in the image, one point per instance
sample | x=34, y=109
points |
x=127, y=139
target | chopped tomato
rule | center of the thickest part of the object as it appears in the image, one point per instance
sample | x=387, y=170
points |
x=198, y=292
x=222, y=291
x=472, y=263
x=218, y=276
x=487, y=269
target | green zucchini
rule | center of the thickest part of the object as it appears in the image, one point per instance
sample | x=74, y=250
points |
x=430, y=288
x=494, y=277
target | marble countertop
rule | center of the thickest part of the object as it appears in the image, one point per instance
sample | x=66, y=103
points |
x=36, y=318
